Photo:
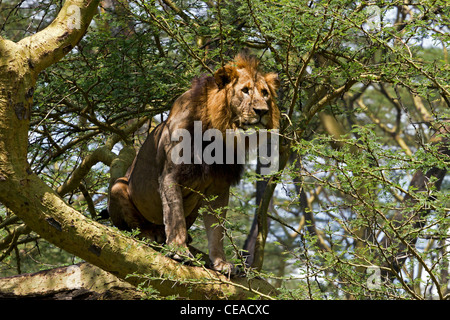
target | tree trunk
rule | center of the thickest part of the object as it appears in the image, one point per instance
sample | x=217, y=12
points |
x=45, y=212
x=250, y=242
x=261, y=213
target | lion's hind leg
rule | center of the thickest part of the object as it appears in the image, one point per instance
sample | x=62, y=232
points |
x=125, y=216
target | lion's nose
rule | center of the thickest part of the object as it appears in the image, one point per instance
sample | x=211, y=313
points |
x=260, y=111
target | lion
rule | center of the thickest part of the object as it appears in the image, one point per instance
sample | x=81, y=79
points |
x=161, y=198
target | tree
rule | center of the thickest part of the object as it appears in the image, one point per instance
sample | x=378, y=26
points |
x=40, y=207
x=359, y=206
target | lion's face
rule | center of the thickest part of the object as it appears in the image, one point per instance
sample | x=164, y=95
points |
x=251, y=95
x=251, y=101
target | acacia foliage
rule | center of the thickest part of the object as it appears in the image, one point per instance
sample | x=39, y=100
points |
x=361, y=206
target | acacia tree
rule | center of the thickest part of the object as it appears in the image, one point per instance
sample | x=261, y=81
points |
x=41, y=208
x=359, y=207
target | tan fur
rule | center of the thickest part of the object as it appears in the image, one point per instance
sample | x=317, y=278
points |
x=162, y=199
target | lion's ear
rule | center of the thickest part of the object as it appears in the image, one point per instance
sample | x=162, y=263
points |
x=225, y=75
x=273, y=81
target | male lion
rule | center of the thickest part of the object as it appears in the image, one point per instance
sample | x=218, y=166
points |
x=162, y=198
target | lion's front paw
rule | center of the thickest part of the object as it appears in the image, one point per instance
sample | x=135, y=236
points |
x=180, y=254
x=224, y=267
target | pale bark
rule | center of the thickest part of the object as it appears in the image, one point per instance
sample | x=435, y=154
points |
x=49, y=45
x=76, y=282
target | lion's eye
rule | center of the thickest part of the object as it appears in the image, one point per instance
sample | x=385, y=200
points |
x=265, y=93
x=245, y=90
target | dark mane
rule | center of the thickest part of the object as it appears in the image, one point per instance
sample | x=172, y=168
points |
x=231, y=173
x=200, y=88
x=200, y=85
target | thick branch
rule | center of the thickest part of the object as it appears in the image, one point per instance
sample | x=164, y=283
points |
x=102, y=154
x=112, y=251
x=80, y=281
x=51, y=44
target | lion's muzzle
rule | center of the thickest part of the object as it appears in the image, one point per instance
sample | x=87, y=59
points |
x=257, y=114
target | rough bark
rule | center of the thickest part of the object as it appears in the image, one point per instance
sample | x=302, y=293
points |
x=76, y=282
x=42, y=209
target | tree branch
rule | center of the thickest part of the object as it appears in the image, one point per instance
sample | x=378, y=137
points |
x=80, y=281
x=50, y=217
x=102, y=154
x=52, y=43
